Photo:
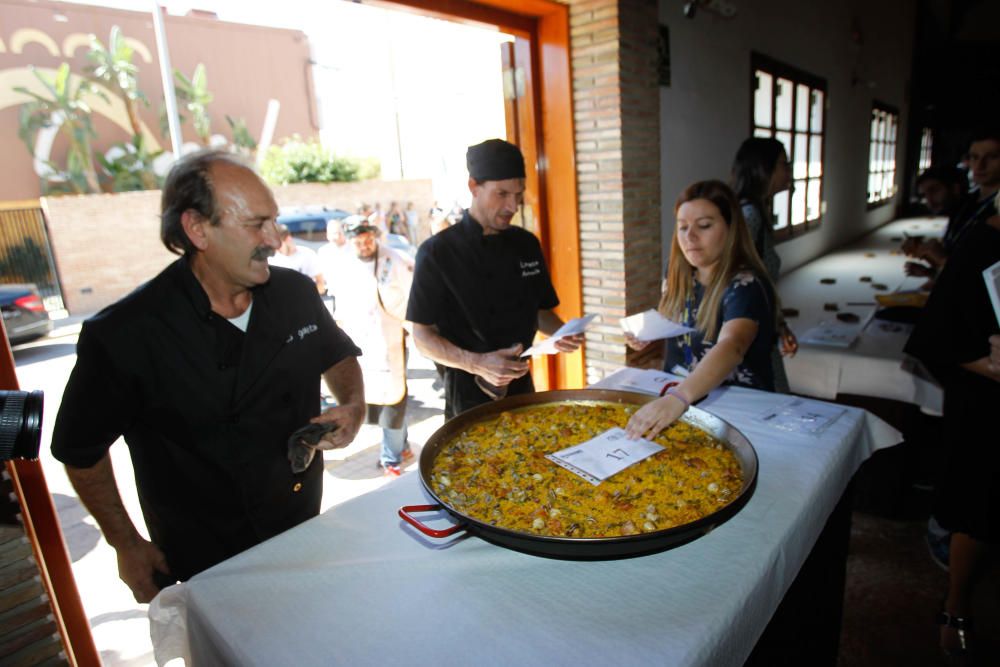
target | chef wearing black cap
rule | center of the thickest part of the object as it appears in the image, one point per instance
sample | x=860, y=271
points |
x=481, y=289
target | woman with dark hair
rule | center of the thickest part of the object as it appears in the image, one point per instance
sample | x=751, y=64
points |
x=716, y=284
x=760, y=171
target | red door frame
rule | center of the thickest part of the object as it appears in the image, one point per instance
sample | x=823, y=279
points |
x=546, y=25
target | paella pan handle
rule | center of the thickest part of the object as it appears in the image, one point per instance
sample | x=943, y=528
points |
x=404, y=514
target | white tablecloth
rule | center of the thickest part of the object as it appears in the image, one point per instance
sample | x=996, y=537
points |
x=873, y=365
x=357, y=586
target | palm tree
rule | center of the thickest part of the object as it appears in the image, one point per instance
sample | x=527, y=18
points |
x=66, y=108
x=194, y=94
x=113, y=66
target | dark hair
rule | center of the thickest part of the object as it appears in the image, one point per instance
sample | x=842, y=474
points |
x=753, y=167
x=985, y=133
x=948, y=175
x=189, y=188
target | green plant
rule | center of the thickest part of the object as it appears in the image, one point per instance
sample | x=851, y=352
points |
x=242, y=139
x=66, y=108
x=306, y=161
x=113, y=66
x=194, y=95
x=130, y=166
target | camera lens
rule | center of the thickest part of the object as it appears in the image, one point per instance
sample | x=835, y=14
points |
x=20, y=424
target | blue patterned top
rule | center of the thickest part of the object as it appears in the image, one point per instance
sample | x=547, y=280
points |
x=746, y=297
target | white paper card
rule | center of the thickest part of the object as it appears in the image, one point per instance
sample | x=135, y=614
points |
x=802, y=416
x=992, y=277
x=651, y=325
x=647, y=381
x=548, y=346
x=832, y=334
x=599, y=458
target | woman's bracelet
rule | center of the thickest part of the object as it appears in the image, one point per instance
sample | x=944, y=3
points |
x=679, y=396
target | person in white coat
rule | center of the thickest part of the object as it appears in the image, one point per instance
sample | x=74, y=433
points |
x=371, y=291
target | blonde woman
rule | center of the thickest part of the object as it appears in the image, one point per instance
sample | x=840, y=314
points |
x=717, y=284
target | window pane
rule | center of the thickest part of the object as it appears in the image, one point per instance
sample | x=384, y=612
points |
x=874, y=128
x=799, y=202
x=816, y=123
x=783, y=105
x=761, y=132
x=799, y=164
x=815, y=156
x=762, y=100
x=812, y=200
x=786, y=139
x=801, y=107
x=781, y=210
x=873, y=156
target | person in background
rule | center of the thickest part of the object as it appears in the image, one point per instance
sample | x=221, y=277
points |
x=371, y=297
x=332, y=254
x=943, y=191
x=296, y=258
x=760, y=171
x=396, y=221
x=979, y=205
x=206, y=371
x=413, y=223
x=717, y=284
x=439, y=222
x=481, y=289
x=956, y=339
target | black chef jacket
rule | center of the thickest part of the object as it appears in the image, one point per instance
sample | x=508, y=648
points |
x=483, y=292
x=206, y=410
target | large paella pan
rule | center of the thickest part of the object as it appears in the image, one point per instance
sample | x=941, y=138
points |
x=567, y=543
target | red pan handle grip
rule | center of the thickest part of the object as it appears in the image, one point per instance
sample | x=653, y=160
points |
x=404, y=514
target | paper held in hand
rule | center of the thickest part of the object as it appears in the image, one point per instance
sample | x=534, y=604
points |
x=992, y=277
x=571, y=328
x=599, y=458
x=650, y=325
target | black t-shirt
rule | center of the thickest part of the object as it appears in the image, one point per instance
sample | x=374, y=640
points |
x=482, y=291
x=206, y=410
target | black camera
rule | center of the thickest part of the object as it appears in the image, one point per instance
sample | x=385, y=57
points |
x=20, y=424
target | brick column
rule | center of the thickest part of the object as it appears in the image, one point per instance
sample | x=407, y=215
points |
x=617, y=123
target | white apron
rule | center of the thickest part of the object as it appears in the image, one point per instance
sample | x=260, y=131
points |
x=372, y=311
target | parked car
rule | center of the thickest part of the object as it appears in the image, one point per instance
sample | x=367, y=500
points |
x=310, y=221
x=24, y=314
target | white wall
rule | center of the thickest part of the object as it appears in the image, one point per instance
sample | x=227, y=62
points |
x=705, y=113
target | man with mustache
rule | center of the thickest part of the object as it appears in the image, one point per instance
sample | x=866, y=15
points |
x=481, y=289
x=206, y=371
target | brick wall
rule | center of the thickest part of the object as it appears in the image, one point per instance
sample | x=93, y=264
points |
x=616, y=118
x=106, y=245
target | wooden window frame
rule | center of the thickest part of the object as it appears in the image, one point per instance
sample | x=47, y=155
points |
x=882, y=148
x=798, y=77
